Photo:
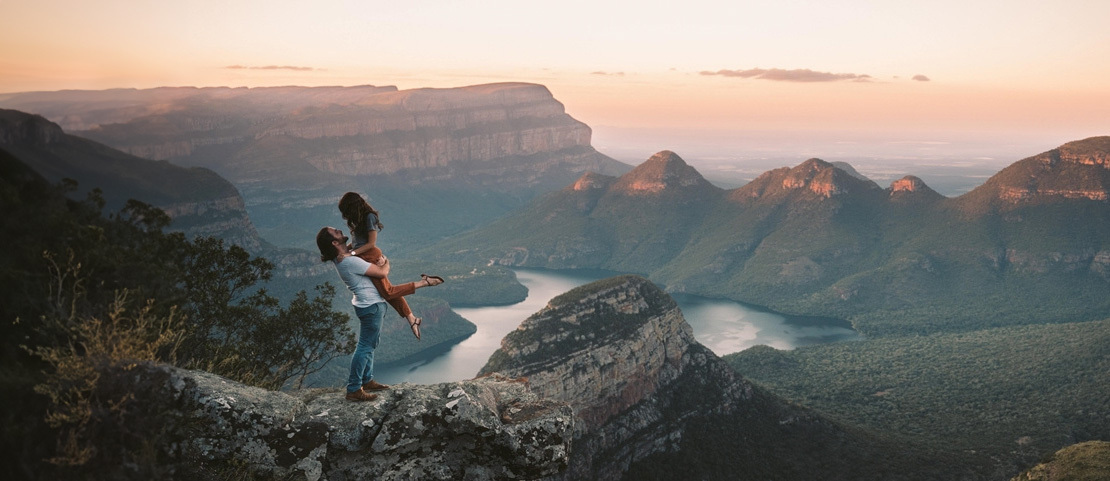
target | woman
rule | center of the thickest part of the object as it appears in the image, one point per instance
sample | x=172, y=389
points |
x=364, y=226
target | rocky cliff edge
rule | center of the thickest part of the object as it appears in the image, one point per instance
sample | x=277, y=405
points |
x=616, y=387
x=621, y=354
x=487, y=428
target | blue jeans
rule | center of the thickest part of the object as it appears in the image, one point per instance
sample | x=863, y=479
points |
x=362, y=362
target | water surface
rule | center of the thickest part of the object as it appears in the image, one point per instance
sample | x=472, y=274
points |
x=723, y=326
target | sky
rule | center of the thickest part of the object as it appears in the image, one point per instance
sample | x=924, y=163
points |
x=782, y=77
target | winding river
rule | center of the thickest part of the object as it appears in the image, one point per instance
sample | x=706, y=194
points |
x=723, y=326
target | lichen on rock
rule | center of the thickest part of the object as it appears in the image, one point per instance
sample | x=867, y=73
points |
x=486, y=428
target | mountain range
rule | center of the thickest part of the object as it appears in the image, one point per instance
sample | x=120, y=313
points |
x=1032, y=244
x=434, y=161
x=1029, y=246
x=200, y=202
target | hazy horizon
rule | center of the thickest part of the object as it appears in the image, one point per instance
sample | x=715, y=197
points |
x=854, y=78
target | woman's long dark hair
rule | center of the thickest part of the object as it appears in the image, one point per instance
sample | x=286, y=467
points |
x=354, y=209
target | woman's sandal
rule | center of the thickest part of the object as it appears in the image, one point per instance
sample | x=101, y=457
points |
x=415, y=326
x=428, y=279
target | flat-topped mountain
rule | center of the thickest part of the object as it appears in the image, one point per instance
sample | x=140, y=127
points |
x=365, y=130
x=433, y=161
x=816, y=239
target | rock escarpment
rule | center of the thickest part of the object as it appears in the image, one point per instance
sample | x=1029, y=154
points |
x=258, y=134
x=199, y=201
x=816, y=239
x=476, y=151
x=1083, y=461
x=1077, y=170
x=616, y=388
x=813, y=178
x=912, y=190
x=620, y=353
x=486, y=428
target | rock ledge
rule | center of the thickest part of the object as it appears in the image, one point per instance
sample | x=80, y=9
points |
x=487, y=428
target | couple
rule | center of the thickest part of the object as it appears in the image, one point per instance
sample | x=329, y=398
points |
x=364, y=268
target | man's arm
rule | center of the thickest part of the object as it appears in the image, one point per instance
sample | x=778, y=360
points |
x=376, y=270
x=371, y=241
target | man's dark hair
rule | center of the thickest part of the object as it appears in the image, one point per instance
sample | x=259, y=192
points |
x=328, y=252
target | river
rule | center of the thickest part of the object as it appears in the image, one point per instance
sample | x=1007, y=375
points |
x=723, y=326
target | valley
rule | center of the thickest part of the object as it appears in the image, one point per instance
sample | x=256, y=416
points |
x=722, y=326
x=983, y=308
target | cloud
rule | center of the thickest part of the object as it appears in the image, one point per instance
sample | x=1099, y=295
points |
x=599, y=72
x=920, y=78
x=796, y=75
x=272, y=67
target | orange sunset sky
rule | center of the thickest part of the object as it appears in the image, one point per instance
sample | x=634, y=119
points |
x=1026, y=73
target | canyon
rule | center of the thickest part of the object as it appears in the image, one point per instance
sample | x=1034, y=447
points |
x=292, y=151
x=596, y=384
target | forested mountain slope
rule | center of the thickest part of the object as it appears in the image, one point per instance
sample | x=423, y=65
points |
x=1031, y=245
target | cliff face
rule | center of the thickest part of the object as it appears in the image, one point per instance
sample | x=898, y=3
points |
x=487, y=428
x=198, y=200
x=616, y=387
x=347, y=131
x=620, y=353
x=292, y=151
x=386, y=133
x=225, y=218
x=433, y=128
x=813, y=178
x=912, y=190
x=24, y=129
x=1076, y=170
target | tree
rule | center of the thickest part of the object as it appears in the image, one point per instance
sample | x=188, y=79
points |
x=238, y=330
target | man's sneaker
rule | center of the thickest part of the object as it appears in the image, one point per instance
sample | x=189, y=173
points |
x=374, y=386
x=361, y=395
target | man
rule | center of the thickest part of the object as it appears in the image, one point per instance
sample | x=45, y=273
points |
x=369, y=307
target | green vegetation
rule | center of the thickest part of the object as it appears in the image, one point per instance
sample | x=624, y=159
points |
x=911, y=264
x=441, y=328
x=413, y=217
x=119, y=176
x=982, y=312
x=1010, y=393
x=773, y=440
x=581, y=315
x=79, y=409
x=85, y=293
x=1089, y=461
x=466, y=285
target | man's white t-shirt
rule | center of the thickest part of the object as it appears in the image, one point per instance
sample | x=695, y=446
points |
x=352, y=270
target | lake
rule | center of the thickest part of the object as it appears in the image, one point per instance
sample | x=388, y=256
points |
x=723, y=326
